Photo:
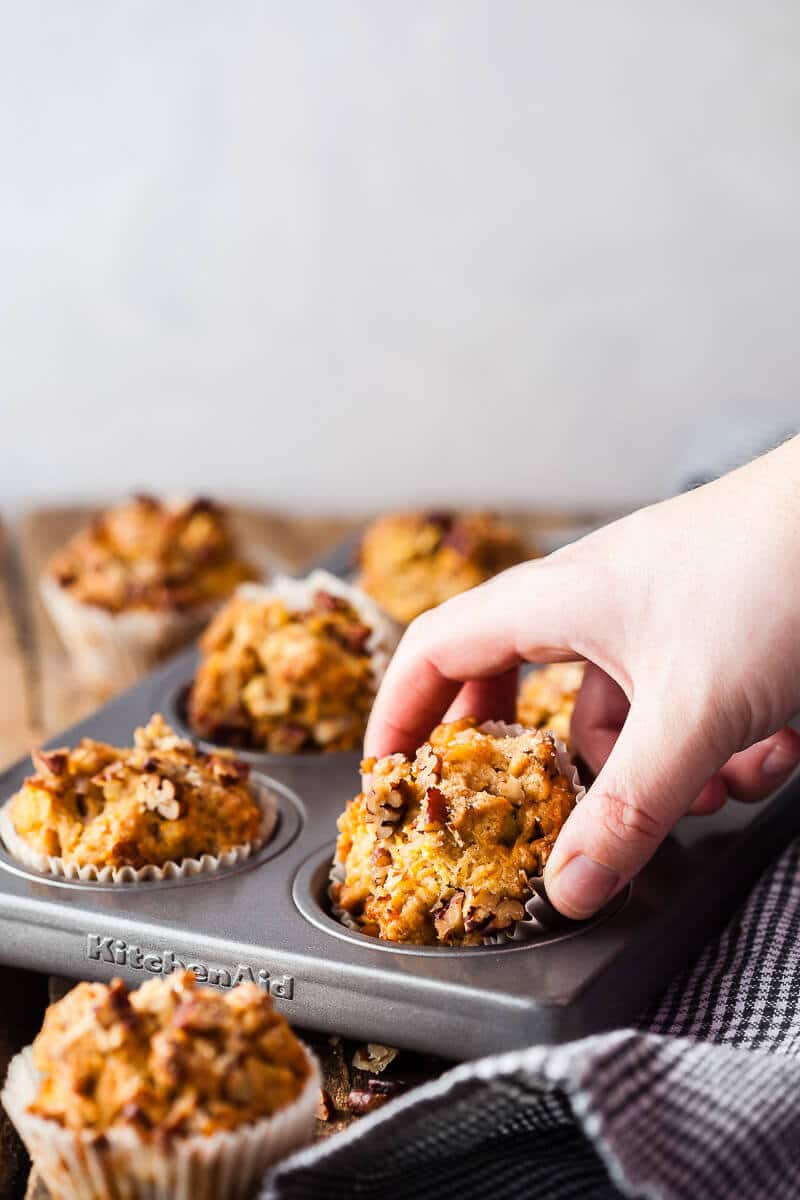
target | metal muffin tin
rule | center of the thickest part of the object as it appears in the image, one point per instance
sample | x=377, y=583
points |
x=267, y=918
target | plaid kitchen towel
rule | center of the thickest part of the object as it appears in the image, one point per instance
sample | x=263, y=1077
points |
x=701, y=1099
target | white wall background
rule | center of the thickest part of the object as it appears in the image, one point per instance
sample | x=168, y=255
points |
x=352, y=252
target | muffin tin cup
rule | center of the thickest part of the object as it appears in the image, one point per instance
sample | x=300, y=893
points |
x=541, y=916
x=207, y=864
x=113, y=650
x=174, y=707
x=122, y=1164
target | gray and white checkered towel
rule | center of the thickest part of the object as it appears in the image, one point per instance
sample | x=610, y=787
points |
x=701, y=1099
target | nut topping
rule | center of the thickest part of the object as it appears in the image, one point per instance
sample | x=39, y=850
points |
x=386, y=806
x=362, y=1102
x=50, y=764
x=158, y=795
x=449, y=919
x=507, y=913
x=433, y=810
x=451, y=862
x=374, y=1056
x=427, y=766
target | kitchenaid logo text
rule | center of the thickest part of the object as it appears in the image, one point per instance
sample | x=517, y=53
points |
x=128, y=954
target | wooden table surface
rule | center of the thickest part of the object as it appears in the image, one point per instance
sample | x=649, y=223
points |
x=41, y=696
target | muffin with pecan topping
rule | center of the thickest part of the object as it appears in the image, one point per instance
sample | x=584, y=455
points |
x=290, y=668
x=547, y=697
x=101, y=812
x=441, y=849
x=410, y=562
x=140, y=581
x=173, y=1090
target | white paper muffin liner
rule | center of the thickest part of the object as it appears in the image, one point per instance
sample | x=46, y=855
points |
x=110, y=651
x=541, y=916
x=207, y=864
x=123, y=1165
x=298, y=595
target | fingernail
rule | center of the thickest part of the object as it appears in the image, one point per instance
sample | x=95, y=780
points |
x=582, y=886
x=778, y=762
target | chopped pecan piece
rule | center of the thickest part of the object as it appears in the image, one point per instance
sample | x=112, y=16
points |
x=386, y=806
x=507, y=913
x=228, y=770
x=362, y=1102
x=126, y=852
x=433, y=809
x=158, y=795
x=374, y=1057
x=50, y=764
x=440, y=518
x=386, y=1087
x=325, y=1106
x=355, y=638
x=380, y=860
x=428, y=766
x=449, y=919
x=459, y=539
x=328, y=603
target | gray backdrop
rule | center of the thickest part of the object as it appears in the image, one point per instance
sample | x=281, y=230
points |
x=348, y=252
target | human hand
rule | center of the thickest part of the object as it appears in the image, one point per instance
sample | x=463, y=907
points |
x=688, y=613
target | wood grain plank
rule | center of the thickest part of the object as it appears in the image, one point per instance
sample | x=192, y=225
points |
x=15, y=716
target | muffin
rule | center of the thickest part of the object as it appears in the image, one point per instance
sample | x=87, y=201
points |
x=442, y=849
x=173, y=1090
x=138, y=583
x=410, y=562
x=290, y=668
x=101, y=812
x=547, y=697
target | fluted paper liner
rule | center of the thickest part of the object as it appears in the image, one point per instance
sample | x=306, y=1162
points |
x=111, y=651
x=541, y=917
x=207, y=864
x=122, y=1165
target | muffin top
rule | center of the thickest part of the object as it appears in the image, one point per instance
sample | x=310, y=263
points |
x=411, y=562
x=442, y=848
x=161, y=801
x=547, y=697
x=148, y=554
x=170, y=1059
x=286, y=678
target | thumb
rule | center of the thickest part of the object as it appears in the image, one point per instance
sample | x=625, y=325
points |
x=651, y=778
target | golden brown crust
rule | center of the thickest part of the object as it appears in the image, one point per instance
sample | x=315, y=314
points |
x=151, y=555
x=442, y=848
x=284, y=681
x=161, y=801
x=168, y=1060
x=547, y=698
x=411, y=562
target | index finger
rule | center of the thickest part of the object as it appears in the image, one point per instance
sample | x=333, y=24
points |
x=473, y=636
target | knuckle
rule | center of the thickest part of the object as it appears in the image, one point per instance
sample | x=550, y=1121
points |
x=628, y=818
